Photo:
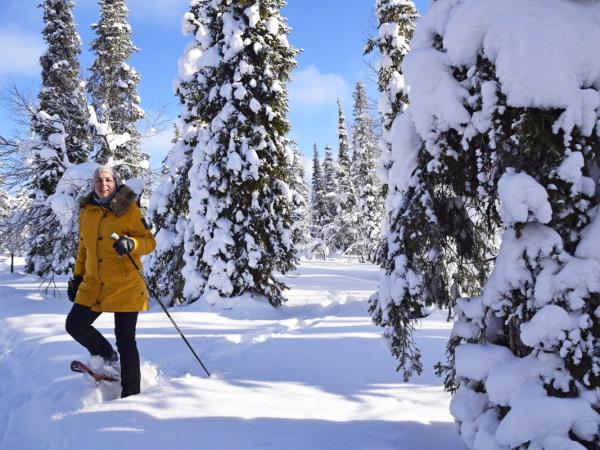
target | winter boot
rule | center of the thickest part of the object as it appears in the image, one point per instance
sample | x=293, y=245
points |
x=106, y=366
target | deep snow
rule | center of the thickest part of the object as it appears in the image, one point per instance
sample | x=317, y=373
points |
x=314, y=374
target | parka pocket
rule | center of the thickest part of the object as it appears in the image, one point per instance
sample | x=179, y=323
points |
x=125, y=263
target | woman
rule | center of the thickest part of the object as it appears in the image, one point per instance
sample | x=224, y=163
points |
x=104, y=280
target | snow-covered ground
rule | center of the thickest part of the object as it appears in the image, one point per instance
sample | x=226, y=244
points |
x=314, y=374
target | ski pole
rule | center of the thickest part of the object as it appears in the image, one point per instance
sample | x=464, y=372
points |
x=115, y=236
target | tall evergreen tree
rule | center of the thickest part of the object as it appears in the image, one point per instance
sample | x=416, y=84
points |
x=395, y=28
x=369, y=208
x=318, y=208
x=301, y=214
x=232, y=85
x=343, y=141
x=331, y=232
x=345, y=217
x=169, y=209
x=330, y=184
x=61, y=137
x=176, y=134
x=112, y=86
x=525, y=347
x=62, y=94
x=5, y=212
x=344, y=161
x=14, y=223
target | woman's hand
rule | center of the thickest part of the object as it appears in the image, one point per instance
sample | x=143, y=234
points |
x=124, y=245
x=73, y=287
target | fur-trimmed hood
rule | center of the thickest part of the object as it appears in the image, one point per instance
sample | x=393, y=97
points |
x=122, y=200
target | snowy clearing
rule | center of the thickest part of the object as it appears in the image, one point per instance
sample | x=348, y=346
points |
x=314, y=374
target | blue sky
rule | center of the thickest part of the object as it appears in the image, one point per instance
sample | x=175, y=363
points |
x=331, y=33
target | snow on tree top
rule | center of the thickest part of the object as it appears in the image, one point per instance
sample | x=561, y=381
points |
x=543, y=61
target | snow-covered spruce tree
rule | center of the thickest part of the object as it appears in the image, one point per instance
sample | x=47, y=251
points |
x=112, y=86
x=369, y=203
x=301, y=211
x=330, y=182
x=14, y=223
x=344, y=219
x=169, y=206
x=318, y=208
x=176, y=133
x=5, y=210
x=61, y=137
x=48, y=161
x=240, y=206
x=525, y=350
x=343, y=141
x=330, y=231
x=62, y=92
x=395, y=28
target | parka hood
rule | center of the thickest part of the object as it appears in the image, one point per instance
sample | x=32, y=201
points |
x=122, y=200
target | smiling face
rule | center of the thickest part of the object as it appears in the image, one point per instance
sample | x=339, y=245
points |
x=104, y=185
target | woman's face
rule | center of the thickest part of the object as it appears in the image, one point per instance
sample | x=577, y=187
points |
x=104, y=185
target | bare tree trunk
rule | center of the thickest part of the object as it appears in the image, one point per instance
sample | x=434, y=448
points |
x=514, y=334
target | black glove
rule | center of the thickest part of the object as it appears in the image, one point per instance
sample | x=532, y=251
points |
x=124, y=245
x=73, y=286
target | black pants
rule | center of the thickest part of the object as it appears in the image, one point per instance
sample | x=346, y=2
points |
x=79, y=326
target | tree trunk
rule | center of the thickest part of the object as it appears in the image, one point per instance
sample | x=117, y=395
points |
x=514, y=335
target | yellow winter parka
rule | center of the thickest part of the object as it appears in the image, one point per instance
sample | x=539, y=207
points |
x=110, y=282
